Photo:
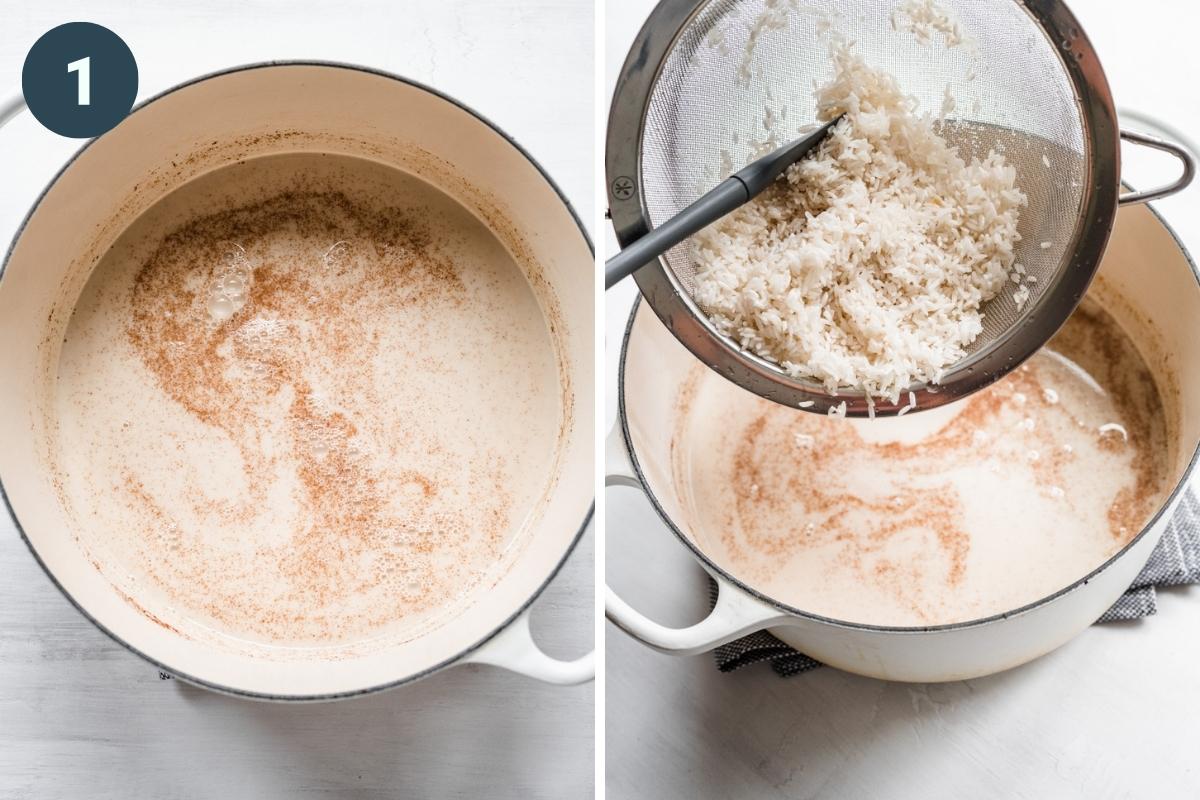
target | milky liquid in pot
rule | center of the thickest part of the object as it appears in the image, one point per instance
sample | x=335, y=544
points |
x=948, y=515
x=306, y=400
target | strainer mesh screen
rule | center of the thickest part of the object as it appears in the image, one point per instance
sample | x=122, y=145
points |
x=710, y=105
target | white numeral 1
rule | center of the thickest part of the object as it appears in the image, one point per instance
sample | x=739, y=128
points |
x=84, y=67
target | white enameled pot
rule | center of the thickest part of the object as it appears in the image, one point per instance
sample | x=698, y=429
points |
x=255, y=111
x=1145, y=264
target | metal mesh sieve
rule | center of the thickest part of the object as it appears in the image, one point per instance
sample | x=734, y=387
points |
x=709, y=81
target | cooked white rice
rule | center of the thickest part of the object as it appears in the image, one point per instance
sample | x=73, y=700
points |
x=865, y=267
x=924, y=19
x=772, y=17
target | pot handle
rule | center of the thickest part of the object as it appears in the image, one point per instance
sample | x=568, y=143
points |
x=735, y=614
x=513, y=649
x=1181, y=153
x=10, y=107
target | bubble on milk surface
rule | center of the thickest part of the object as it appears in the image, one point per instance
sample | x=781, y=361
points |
x=230, y=285
x=337, y=257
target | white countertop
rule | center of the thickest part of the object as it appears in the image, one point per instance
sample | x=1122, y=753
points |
x=80, y=716
x=1114, y=714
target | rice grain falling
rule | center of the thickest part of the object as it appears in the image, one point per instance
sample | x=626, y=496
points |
x=866, y=265
x=925, y=19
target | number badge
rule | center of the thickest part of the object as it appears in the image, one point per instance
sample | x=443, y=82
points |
x=80, y=79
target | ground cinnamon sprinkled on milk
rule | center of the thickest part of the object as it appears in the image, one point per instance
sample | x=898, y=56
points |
x=323, y=457
x=927, y=519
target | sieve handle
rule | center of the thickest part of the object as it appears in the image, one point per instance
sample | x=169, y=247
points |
x=729, y=195
x=1181, y=153
x=735, y=614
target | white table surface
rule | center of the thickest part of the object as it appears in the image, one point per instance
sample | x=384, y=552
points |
x=1114, y=714
x=82, y=718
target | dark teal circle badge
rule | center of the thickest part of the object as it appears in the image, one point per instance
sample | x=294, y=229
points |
x=79, y=80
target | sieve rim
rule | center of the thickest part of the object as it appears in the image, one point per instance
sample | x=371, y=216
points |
x=671, y=302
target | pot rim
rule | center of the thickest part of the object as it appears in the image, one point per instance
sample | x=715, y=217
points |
x=722, y=574
x=228, y=690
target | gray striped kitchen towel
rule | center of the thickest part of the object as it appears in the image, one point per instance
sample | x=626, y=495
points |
x=1174, y=562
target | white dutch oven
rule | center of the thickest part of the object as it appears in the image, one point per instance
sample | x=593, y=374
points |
x=254, y=111
x=1146, y=265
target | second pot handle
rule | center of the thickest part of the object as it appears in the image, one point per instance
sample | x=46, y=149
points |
x=10, y=107
x=735, y=614
x=1180, y=152
x=513, y=649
